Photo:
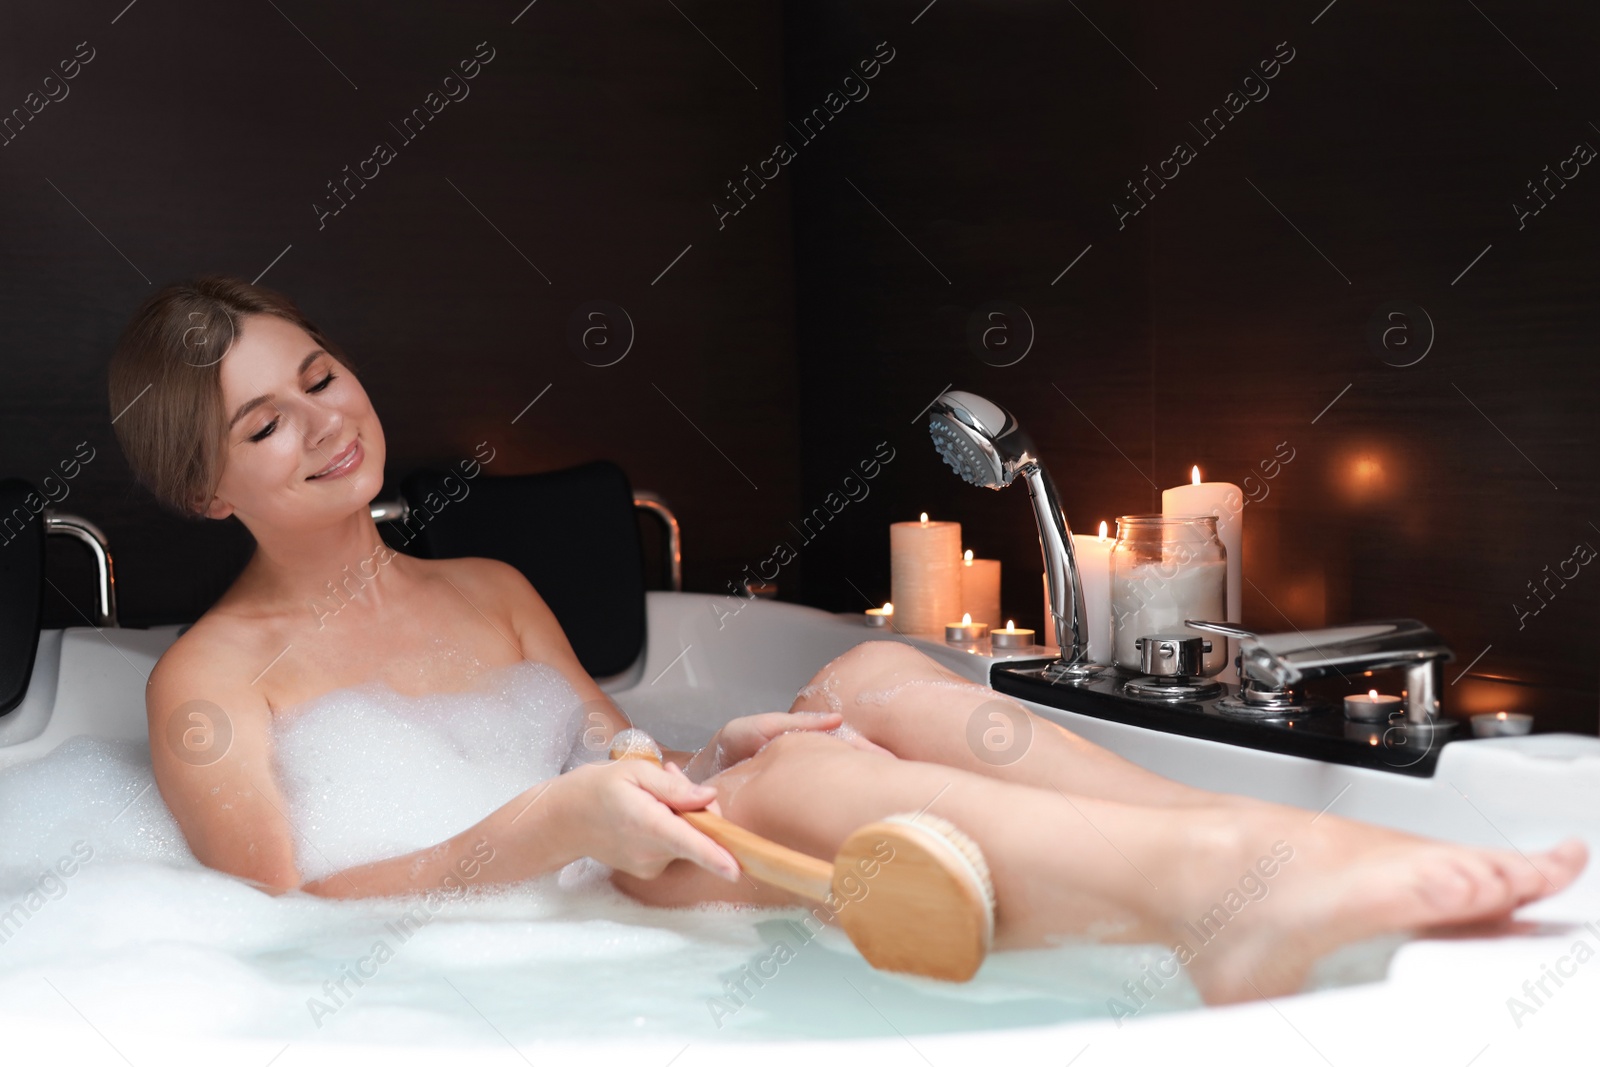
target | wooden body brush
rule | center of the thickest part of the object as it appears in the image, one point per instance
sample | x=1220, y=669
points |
x=912, y=892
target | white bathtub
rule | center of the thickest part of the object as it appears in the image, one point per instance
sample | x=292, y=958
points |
x=1443, y=1001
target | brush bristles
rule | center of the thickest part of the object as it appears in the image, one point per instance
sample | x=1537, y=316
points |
x=634, y=743
x=962, y=845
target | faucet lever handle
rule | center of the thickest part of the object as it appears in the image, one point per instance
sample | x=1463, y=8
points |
x=1261, y=692
x=1226, y=629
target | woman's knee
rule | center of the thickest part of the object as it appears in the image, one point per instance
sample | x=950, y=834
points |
x=795, y=744
x=869, y=664
x=886, y=657
x=784, y=754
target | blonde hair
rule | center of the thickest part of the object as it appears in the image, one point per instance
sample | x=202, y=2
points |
x=166, y=385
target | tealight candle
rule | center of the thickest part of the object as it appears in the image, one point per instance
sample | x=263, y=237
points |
x=1371, y=706
x=1010, y=637
x=1501, y=724
x=924, y=574
x=965, y=632
x=1223, y=500
x=980, y=589
x=880, y=616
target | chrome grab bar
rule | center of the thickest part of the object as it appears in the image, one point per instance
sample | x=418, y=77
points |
x=647, y=501
x=60, y=522
x=397, y=510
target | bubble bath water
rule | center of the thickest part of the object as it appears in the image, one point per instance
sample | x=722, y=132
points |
x=140, y=937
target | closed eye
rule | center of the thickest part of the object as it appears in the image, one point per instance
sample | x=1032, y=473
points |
x=266, y=431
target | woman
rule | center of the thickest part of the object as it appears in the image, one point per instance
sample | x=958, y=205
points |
x=233, y=404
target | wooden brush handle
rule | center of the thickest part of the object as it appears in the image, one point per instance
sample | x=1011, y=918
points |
x=765, y=861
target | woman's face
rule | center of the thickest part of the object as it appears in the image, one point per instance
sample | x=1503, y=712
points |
x=303, y=448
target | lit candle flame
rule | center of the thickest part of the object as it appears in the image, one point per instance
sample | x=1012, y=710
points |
x=967, y=557
x=924, y=518
x=1194, y=475
x=966, y=618
x=888, y=608
x=1010, y=626
x=1372, y=694
x=1102, y=529
x=1501, y=716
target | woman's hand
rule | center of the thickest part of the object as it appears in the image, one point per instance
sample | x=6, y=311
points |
x=625, y=810
x=741, y=738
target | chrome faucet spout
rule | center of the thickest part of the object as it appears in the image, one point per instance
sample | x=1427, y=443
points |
x=1394, y=644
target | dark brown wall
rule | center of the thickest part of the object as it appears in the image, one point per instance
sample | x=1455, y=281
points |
x=1208, y=330
x=1220, y=321
x=199, y=137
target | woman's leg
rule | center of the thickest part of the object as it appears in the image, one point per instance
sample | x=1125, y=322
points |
x=903, y=700
x=1255, y=894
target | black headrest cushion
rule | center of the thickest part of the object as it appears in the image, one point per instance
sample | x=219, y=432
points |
x=572, y=533
x=21, y=587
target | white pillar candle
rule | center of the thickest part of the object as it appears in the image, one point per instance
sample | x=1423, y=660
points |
x=1092, y=554
x=1223, y=500
x=924, y=574
x=980, y=589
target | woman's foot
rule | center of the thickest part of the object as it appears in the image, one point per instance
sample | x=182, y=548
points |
x=1281, y=889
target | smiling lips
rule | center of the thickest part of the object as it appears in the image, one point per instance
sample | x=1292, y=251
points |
x=345, y=462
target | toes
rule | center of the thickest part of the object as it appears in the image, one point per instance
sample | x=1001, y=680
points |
x=1468, y=885
x=1502, y=881
x=1569, y=858
x=1550, y=871
x=1447, y=887
x=1532, y=879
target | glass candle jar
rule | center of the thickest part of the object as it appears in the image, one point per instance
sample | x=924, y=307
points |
x=1164, y=569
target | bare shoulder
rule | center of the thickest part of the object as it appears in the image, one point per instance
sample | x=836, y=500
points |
x=217, y=657
x=210, y=749
x=488, y=581
x=501, y=590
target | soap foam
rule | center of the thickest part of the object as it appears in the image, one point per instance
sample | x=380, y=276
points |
x=883, y=696
x=143, y=940
x=368, y=773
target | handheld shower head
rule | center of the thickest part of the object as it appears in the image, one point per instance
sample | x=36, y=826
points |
x=982, y=442
x=979, y=439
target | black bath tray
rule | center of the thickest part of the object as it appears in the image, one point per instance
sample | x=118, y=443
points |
x=1324, y=734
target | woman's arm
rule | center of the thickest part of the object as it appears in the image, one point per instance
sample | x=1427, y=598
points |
x=211, y=753
x=617, y=813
